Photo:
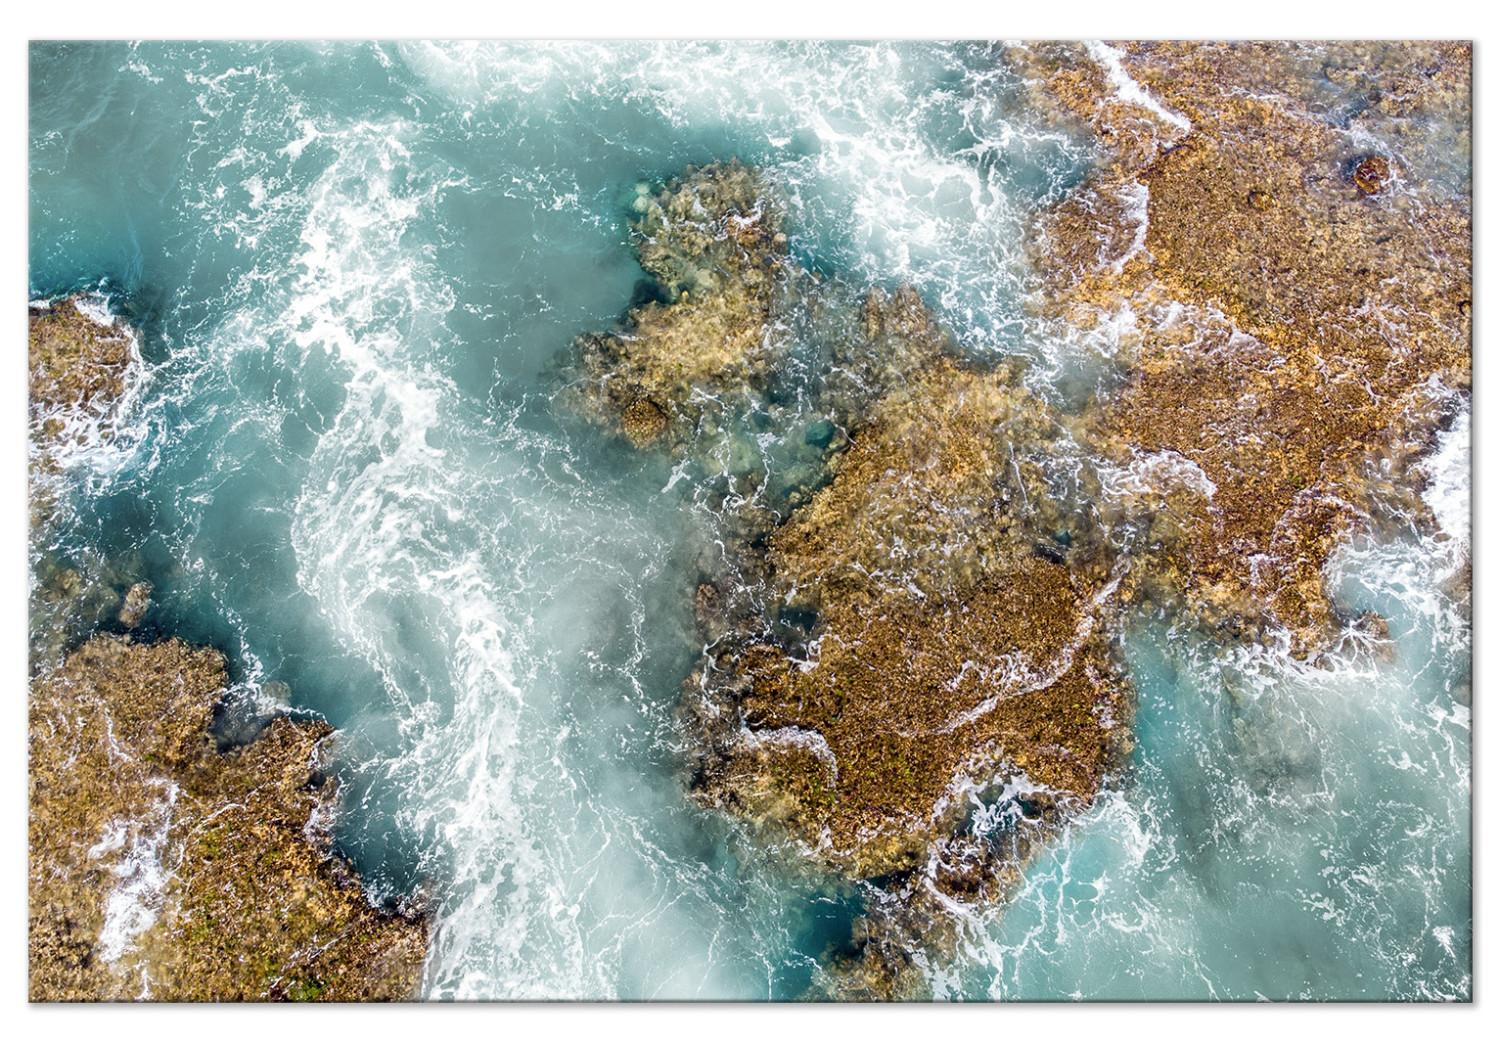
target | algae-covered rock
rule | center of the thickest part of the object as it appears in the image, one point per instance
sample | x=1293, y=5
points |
x=79, y=364
x=162, y=868
x=954, y=642
x=1370, y=174
x=930, y=616
x=1297, y=321
x=916, y=610
x=712, y=241
x=136, y=603
x=82, y=363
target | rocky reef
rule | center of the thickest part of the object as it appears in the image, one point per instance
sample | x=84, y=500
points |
x=80, y=358
x=928, y=617
x=160, y=865
x=82, y=364
x=952, y=633
x=957, y=630
x=1298, y=307
x=164, y=868
x=931, y=614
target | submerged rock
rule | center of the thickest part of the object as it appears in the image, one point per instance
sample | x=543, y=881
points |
x=1370, y=174
x=712, y=240
x=137, y=602
x=162, y=868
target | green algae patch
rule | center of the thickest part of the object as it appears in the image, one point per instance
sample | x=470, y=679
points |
x=162, y=868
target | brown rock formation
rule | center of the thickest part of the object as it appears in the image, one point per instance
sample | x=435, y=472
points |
x=713, y=243
x=161, y=867
x=81, y=365
x=956, y=641
x=1298, y=325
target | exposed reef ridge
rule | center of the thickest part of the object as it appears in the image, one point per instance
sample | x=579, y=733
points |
x=80, y=359
x=926, y=616
x=951, y=640
x=1295, y=309
x=161, y=866
x=929, y=611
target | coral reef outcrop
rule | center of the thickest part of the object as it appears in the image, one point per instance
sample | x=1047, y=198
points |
x=952, y=638
x=78, y=369
x=82, y=363
x=925, y=615
x=930, y=614
x=712, y=241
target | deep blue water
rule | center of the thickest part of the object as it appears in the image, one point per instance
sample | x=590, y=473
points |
x=356, y=270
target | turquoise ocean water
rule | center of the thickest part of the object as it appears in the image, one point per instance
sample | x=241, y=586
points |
x=357, y=269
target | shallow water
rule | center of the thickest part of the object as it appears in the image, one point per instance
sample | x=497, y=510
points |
x=356, y=270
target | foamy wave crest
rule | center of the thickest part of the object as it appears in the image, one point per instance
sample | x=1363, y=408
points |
x=915, y=153
x=383, y=539
x=1449, y=479
x=134, y=902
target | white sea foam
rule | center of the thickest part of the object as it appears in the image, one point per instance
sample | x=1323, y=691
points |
x=914, y=175
x=134, y=902
x=1135, y=207
x=1447, y=492
x=1150, y=474
x=1111, y=60
x=366, y=533
x=417, y=532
